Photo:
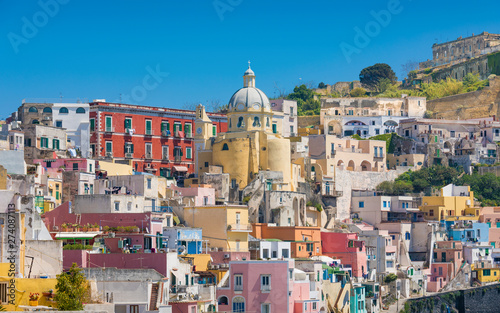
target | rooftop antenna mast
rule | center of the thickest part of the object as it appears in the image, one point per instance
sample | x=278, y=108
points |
x=60, y=96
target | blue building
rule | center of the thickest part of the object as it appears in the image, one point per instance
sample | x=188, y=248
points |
x=185, y=240
x=358, y=299
x=467, y=231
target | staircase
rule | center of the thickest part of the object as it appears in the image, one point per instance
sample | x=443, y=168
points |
x=154, y=297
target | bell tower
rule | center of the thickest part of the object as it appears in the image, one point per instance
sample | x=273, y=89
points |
x=203, y=131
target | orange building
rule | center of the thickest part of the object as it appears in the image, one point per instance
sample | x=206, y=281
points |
x=304, y=241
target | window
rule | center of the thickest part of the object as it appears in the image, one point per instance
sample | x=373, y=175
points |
x=223, y=301
x=188, y=153
x=128, y=123
x=109, y=146
x=165, y=127
x=284, y=253
x=44, y=142
x=75, y=166
x=240, y=122
x=109, y=124
x=92, y=124
x=80, y=111
x=351, y=112
x=310, y=247
x=165, y=152
x=214, y=130
x=55, y=144
x=225, y=147
x=314, y=305
x=187, y=130
x=63, y=110
x=407, y=236
x=238, y=305
x=149, y=183
x=149, y=130
x=275, y=128
x=384, y=204
x=129, y=147
x=149, y=150
x=33, y=110
x=117, y=206
x=238, y=282
x=265, y=282
x=265, y=308
x=47, y=110
x=256, y=121
x=361, y=204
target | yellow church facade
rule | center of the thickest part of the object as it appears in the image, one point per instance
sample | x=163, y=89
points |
x=252, y=142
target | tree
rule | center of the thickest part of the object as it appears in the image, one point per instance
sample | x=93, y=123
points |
x=370, y=76
x=384, y=84
x=358, y=92
x=321, y=85
x=71, y=289
x=306, y=104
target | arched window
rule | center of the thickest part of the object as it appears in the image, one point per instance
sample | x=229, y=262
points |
x=407, y=236
x=312, y=168
x=225, y=147
x=223, y=301
x=256, y=121
x=63, y=110
x=47, y=110
x=80, y=111
x=240, y=121
x=239, y=304
x=267, y=123
x=33, y=110
x=35, y=122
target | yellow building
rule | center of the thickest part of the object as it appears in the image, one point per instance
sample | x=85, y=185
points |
x=224, y=226
x=454, y=202
x=487, y=275
x=252, y=143
x=55, y=190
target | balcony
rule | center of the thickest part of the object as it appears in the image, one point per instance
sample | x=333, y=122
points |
x=129, y=155
x=148, y=132
x=331, y=193
x=109, y=154
x=148, y=156
x=239, y=228
x=109, y=129
x=177, y=159
x=165, y=133
x=164, y=157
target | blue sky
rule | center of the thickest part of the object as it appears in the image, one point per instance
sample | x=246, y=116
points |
x=101, y=49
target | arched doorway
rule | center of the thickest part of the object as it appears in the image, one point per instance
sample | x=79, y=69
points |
x=351, y=166
x=366, y=166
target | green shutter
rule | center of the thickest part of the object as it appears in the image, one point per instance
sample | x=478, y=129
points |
x=275, y=128
x=108, y=121
x=92, y=124
x=214, y=130
x=128, y=123
x=148, y=127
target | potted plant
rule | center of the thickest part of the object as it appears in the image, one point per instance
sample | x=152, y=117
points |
x=85, y=228
x=135, y=229
x=34, y=296
x=64, y=227
x=95, y=227
x=76, y=227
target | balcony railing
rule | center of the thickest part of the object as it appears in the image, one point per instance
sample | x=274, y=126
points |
x=189, y=135
x=165, y=133
x=129, y=155
x=240, y=227
x=331, y=193
x=109, y=129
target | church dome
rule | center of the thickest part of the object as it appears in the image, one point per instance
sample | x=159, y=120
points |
x=249, y=97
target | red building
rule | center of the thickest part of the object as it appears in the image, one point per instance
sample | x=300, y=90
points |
x=155, y=140
x=346, y=247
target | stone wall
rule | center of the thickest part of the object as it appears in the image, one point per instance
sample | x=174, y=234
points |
x=346, y=181
x=304, y=121
x=481, y=103
x=493, y=169
x=481, y=299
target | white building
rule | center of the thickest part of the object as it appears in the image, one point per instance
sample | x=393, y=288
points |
x=74, y=117
x=478, y=253
x=286, y=111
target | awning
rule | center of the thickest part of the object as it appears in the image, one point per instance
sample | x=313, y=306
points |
x=180, y=169
x=74, y=235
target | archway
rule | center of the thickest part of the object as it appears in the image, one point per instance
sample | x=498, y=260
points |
x=351, y=166
x=366, y=166
x=340, y=164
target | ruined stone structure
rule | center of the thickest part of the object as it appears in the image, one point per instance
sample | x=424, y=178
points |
x=461, y=49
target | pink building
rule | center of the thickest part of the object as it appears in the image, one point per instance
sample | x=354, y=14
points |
x=198, y=195
x=346, y=247
x=491, y=216
x=441, y=274
x=265, y=286
x=76, y=164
